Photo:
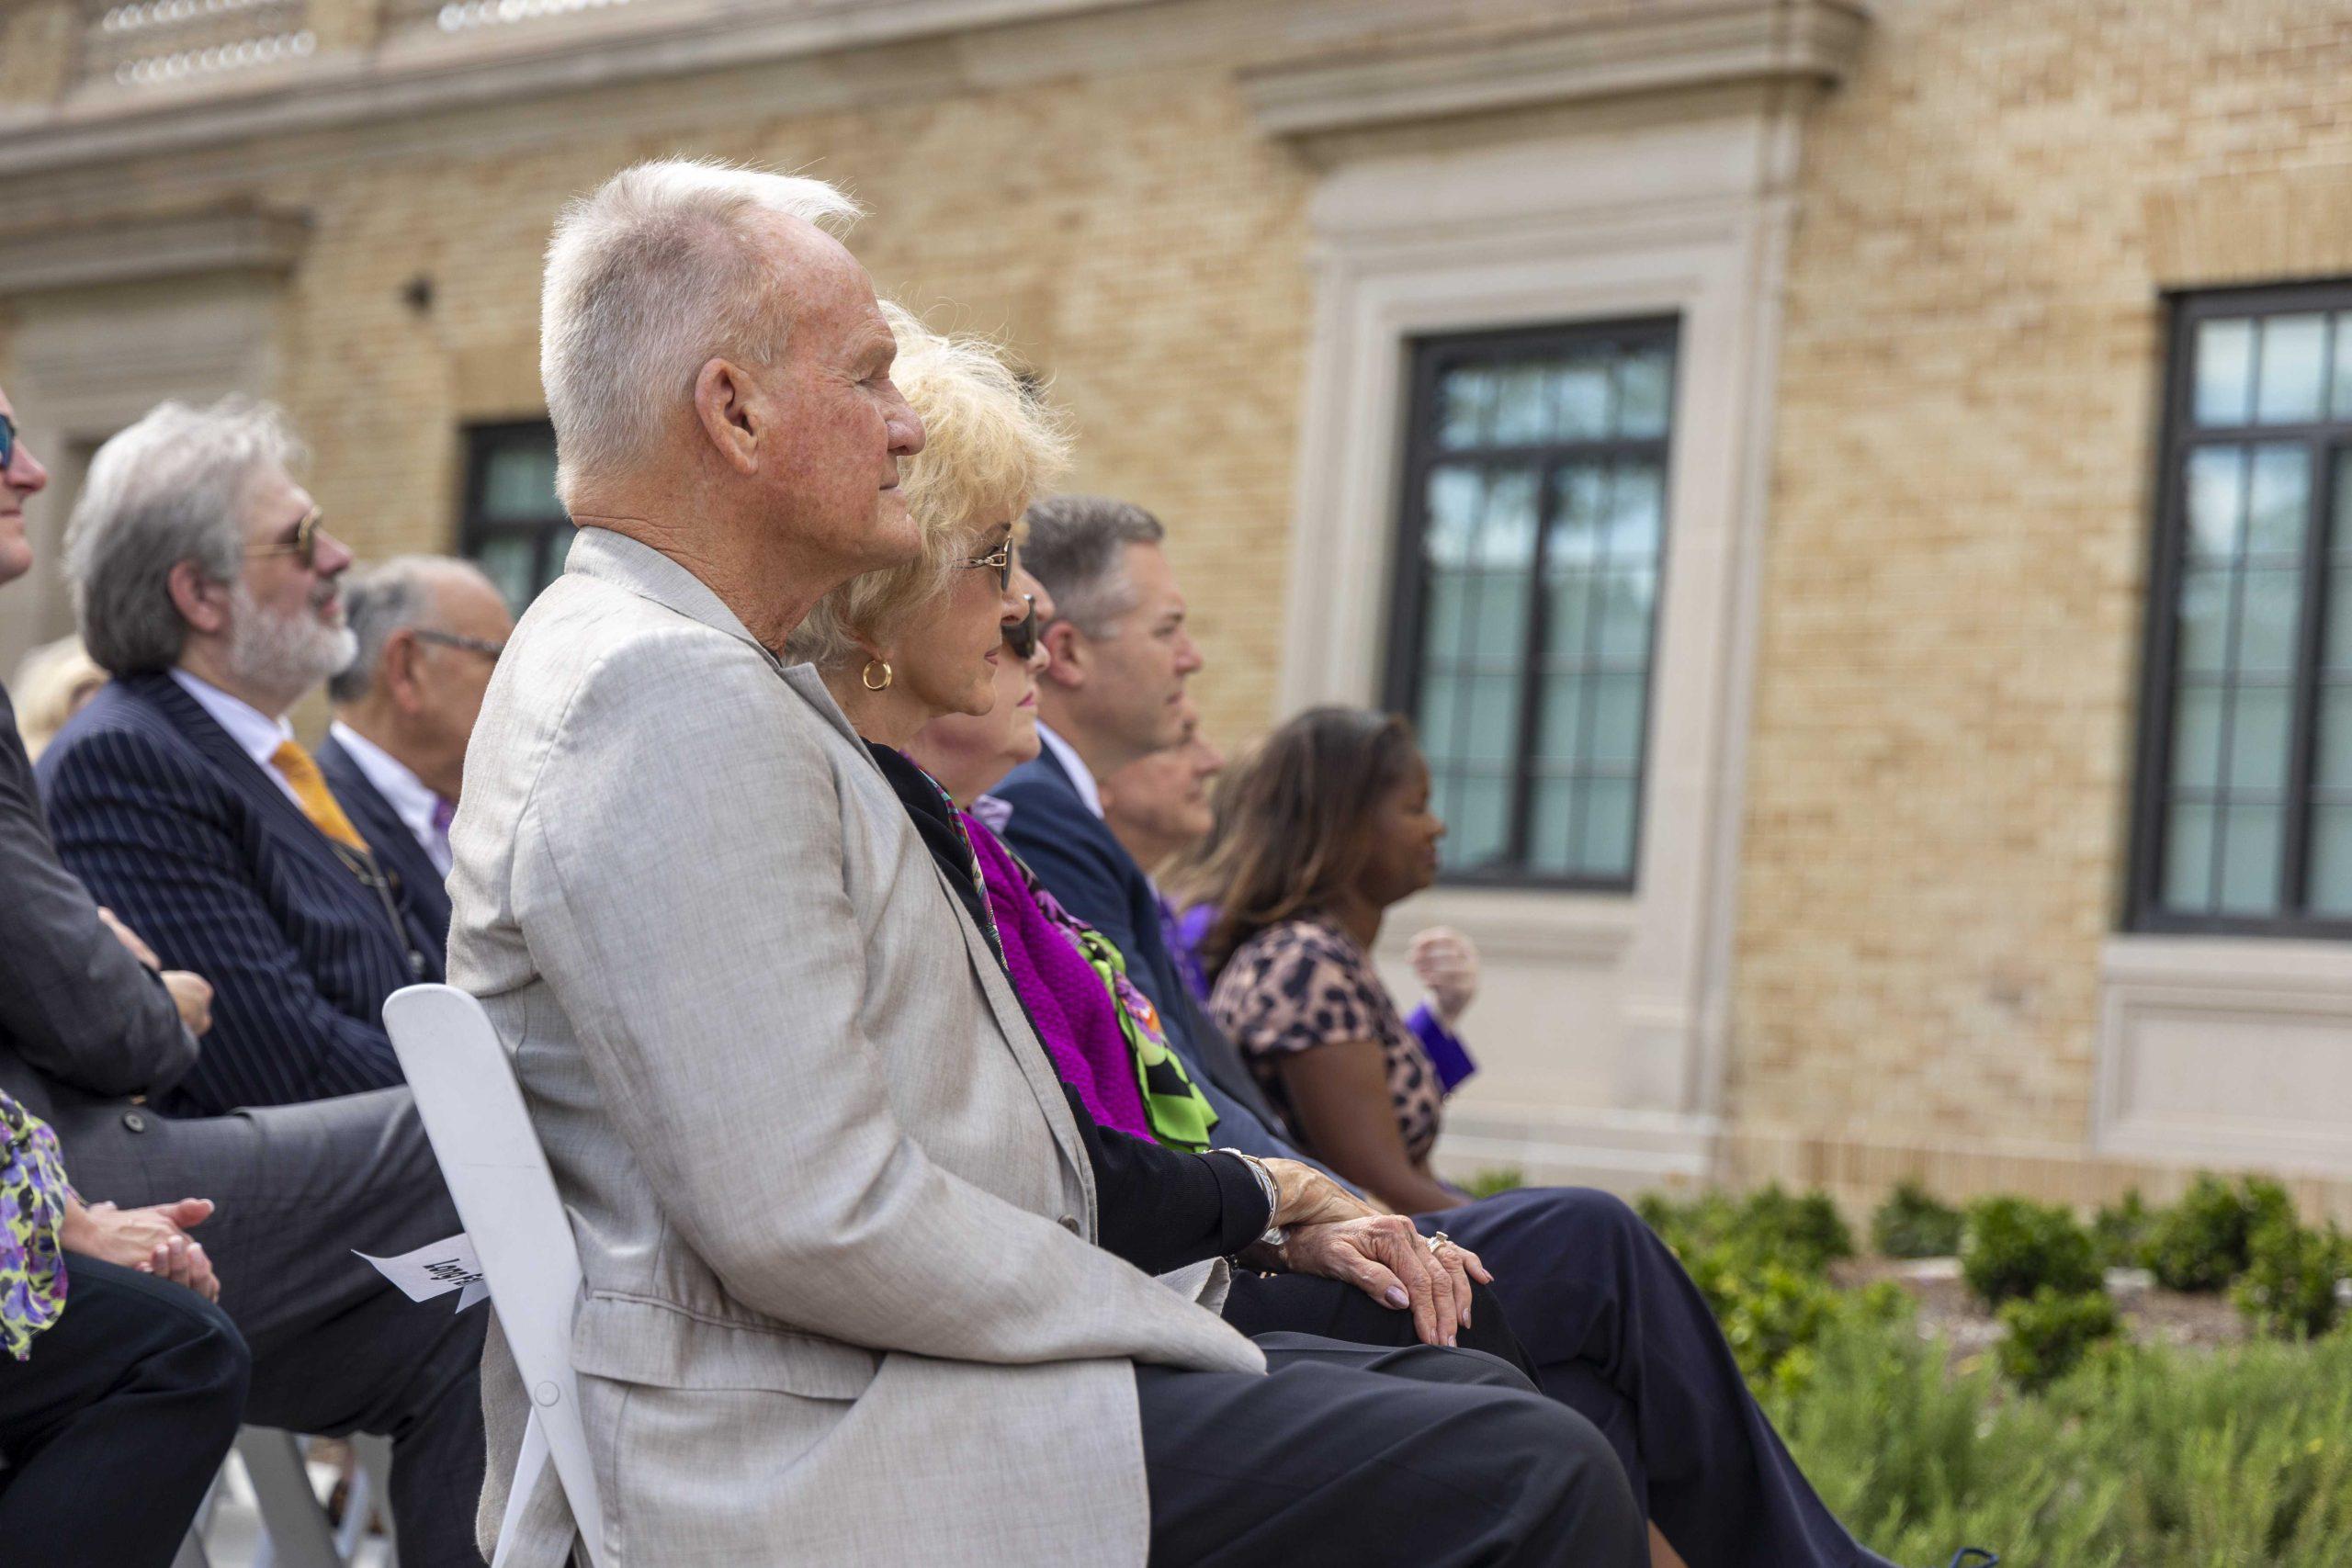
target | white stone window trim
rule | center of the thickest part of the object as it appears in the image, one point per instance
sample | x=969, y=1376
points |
x=2183, y=1017
x=1672, y=216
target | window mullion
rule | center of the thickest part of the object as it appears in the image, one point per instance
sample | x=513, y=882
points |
x=2303, y=726
x=1530, y=691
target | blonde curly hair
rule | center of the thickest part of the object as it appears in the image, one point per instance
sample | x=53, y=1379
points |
x=991, y=443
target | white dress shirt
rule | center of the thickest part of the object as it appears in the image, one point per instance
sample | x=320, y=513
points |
x=1074, y=765
x=255, y=733
x=407, y=795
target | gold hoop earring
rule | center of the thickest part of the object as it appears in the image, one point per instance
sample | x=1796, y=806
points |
x=866, y=676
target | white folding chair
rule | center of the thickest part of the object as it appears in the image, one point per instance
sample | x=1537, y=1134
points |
x=295, y=1531
x=491, y=1160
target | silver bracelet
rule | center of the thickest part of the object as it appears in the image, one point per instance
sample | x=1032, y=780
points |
x=1275, y=1234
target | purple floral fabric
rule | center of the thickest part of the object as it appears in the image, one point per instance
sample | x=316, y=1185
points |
x=32, y=1204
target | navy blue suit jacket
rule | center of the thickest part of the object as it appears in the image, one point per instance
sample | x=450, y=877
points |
x=397, y=851
x=155, y=807
x=1078, y=859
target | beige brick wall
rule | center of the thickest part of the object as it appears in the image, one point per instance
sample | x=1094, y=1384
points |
x=1945, y=704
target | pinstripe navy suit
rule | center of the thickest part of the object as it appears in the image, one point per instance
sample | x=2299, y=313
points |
x=168, y=822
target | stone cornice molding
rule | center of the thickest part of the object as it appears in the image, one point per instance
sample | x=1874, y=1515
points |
x=247, y=241
x=407, y=79
x=1715, y=44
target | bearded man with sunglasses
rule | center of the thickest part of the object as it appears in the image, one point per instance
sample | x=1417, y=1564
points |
x=207, y=587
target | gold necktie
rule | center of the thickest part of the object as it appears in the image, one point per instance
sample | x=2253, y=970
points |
x=311, y=789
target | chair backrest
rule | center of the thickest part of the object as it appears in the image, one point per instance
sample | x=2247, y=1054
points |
x=497, y=1173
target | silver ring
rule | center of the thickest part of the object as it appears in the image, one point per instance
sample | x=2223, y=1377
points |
x=1438, y=1241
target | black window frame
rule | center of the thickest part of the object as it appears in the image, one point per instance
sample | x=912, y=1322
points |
x=1427, y=358
x=552, y=535
x=2329, y=443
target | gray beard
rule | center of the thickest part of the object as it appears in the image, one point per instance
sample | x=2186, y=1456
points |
x=283, y=653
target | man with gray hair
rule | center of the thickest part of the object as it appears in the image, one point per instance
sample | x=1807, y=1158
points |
x=430, y=629
x=1115, y=692
x=208, y=590
x=849, y=1290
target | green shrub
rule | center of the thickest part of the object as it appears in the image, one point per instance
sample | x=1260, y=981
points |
x=2289, y=1286
x=2013, y=1246
x=1691, y=1226
x=1500, y=1179
x=2204, y=1241
x=2048, y=1333
x=1912, y=1224
x=2137, y=1458
x=1772, y=1314
x=1804, y=1234
x=2121, y=1232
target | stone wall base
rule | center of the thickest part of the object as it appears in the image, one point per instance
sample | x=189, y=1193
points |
x=1857, y=1170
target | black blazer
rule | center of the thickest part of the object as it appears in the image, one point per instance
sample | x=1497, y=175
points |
x=397, y=851
x=162, y=817
x=1157, y=1207
x=76, y=1009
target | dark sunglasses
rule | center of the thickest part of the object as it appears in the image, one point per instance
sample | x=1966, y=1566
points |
x=1001, y=560
x=7, y=442
x=303, y=547
x=1022, y=634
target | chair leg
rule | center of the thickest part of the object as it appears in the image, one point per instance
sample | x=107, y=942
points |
x=191, y=1553
x=529, y=1465
x=297, y=1529
x=371, y=1493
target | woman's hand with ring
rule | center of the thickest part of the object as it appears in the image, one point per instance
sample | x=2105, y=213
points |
x=1457, y=1266
x=1386, y=1258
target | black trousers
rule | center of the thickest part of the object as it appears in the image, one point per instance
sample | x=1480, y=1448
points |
x=1353, y=1453
x=1618, y=1333
x=117, y=1422
x=335, y=1349
x=1332, y=1309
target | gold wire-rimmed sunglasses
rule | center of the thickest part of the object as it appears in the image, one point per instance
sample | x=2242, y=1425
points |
x=1001, y=560
x=303, y=547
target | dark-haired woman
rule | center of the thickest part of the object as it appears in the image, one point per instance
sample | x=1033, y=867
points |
x=1317, y=833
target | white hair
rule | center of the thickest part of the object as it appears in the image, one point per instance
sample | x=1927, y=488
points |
x=664, y=267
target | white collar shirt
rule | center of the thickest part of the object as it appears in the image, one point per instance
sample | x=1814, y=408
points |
x=257, y=735
x=1074, y=765
x=409, y=796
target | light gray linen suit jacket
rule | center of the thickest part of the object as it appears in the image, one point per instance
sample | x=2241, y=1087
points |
x=841, y=1305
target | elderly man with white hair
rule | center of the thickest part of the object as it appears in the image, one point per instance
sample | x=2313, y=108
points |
x=848, y=1297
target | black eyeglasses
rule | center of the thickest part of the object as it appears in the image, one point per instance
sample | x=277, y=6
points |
x=1022, y=634
x=303, y=547
x=7, y=442
x=483, y=646
x=1000, y=558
